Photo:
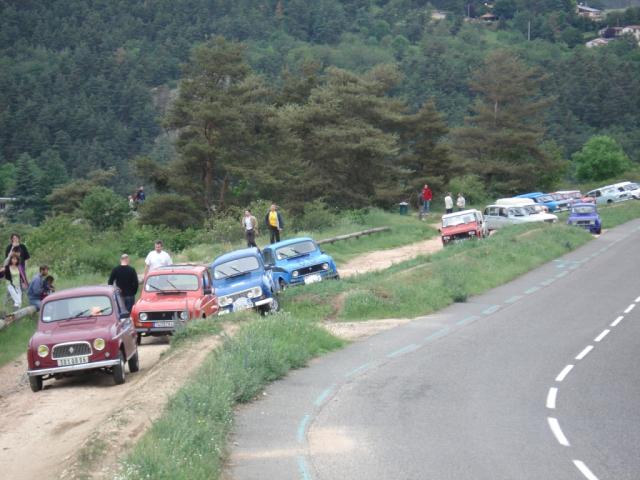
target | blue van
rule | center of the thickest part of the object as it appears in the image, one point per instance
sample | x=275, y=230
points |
x=242, y=282
x=298, y=261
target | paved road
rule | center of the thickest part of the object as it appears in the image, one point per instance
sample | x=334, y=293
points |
x=537, y=379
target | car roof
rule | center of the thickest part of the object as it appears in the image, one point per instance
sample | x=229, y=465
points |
x=86, y=291
x=515, y=202
x=289, y=241
x=584, y=204
x=462, y=212
x=530, y=195
x=178, y=268
x=235, y=254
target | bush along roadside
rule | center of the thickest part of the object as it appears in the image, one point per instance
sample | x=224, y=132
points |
x=188, y=442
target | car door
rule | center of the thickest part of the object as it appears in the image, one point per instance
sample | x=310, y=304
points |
x=208, y=296
x=490, y=217
x=125, y=327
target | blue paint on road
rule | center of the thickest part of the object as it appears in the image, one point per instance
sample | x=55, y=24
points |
x=438, y=334
x=323, y=396
x=407, y=349
x=531, y=290
x=491, y=309
x=466, y=320
x=304, y=471
x=359, y=369
x=302, y=428
x=547, y=282
x=562, y=274
x=513, y=299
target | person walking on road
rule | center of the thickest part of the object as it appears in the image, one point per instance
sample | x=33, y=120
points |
x=460, y=202
x=125, y=278
x=156, y=258
x=274, y=223
x=250, y=225
x=426, y=196
x=448, y=203
x=37, y=286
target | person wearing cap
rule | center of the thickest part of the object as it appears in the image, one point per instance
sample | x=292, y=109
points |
x=125, y=278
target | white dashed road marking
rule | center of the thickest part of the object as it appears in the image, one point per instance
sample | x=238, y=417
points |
x=565, y=371
x=584, y=470
x=584, y=352
x=555, y=428
x=551, y=397
x=630, y=307
x=617, y=321
x=602, y=335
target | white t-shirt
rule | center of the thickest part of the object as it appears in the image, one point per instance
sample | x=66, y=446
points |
x=460, y=202
x=448, y=202
x=248, y=224
x=155, y=259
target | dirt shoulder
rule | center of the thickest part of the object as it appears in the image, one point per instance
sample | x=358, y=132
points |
x=77, y=427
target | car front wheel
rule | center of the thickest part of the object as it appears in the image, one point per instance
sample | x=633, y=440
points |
x=283, y=284
x=118, y=370
x=35, y=383
x=134, y=363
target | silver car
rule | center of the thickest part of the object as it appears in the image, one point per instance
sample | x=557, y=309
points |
x=499, y=216
x=609, y=194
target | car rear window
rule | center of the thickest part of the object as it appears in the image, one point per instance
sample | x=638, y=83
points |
x=76, y=307
x=169, y=282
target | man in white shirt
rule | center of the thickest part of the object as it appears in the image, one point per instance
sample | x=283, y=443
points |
x=460, y=202
x=156, y=258
x=448, y=203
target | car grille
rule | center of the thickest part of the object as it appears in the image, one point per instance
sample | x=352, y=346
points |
x=160, y=316
x=70, y=350
x=237, y=295
x=309, y=270
x=584, y=223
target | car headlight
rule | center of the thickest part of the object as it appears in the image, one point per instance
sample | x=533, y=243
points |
x=446, y=237
x=99, y=344
x=325, y=266
x=254, y=292
x=472, y=232
x=224, y=301
x=184, y=315
x=295, y=274
x=143, y=317
x=43, y=351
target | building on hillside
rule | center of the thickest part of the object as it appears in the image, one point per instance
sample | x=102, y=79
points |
x=598, y=42
x=590, y=13
x=488, y=17
x=438, y=15
x=633, y=30
x=610, y=32
x=5, y=204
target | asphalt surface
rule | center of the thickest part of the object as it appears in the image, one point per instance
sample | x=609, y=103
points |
x=504, y=386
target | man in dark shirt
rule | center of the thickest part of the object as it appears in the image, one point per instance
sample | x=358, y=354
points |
x=126, y=279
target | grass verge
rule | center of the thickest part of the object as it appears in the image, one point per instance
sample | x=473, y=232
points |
x=188, y=442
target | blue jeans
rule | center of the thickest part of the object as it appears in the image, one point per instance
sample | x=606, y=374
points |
x=36, y=303
x=425, y=206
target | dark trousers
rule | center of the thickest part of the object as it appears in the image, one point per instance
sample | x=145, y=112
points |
x=129, y=301
x=251, y=238
x=449, y=210
x=275, y=234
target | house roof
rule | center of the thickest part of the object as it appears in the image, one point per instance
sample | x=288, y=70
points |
x=584, y=8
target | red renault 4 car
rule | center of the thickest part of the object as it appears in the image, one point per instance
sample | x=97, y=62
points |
x=82, y=329
x=171, y=296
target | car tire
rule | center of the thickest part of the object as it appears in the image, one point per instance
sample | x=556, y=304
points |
x=118, y=370
x=275, y=305
x=283, y=284
x=139, y=339
x=609, y=201
x=35, y=383
x=134, y=363
x=599, y=231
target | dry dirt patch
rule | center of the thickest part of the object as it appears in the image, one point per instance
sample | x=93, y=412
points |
x=353, y=331
x=77, y=427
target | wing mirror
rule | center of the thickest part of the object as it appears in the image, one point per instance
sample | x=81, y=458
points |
x=124, y=316
x=207, y=290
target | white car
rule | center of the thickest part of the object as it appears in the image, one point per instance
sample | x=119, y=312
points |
x=499, y=216
x=530, y=206
x=629, y=187
x=609, y=194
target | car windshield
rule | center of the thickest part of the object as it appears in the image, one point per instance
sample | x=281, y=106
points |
x=517, y=212
x=582, y=209
x=171, y=282
x=558, y=196
x=236, y=267
x=458, y=220
x=76, y=307
x=533, y=209
x=631, y=186
x=295, y=250
x=544, y=198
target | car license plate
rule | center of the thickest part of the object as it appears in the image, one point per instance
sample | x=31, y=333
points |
x=312, y=278
x=65, y=362
x=164, y=324
x=242, y=303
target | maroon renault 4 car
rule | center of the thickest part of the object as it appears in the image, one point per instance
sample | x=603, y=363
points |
x=82, y=329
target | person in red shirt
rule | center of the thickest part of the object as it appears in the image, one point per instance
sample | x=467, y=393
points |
x=426, y=196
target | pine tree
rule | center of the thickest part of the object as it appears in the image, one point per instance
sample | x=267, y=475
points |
x=30, y=205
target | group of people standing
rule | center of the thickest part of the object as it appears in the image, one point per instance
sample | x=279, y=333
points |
x=14, y=272
x=426, y=196
x=273, y=221
x=137, y=198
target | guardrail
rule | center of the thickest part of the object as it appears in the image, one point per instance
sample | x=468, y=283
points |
x=354, y=235
x=18, y=314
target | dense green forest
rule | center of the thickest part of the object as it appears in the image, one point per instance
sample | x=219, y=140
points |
x=349, y=102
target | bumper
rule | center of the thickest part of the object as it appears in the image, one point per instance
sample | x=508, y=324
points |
x=156, y=330
x=323, y=276
x=229, y=309
x=72, y=368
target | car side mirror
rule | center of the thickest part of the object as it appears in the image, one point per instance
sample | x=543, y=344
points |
x=207, y=290
x=124, y=315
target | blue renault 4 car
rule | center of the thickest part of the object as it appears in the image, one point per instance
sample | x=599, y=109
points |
x=242, y=282
x=544, y=199
x=298, y=261
x=585, y=215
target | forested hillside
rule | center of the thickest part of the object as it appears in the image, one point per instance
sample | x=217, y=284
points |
x=335, y=100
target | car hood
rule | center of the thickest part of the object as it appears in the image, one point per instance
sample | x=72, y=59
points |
x=305, y=261
x=163, y=303
x=238, y=284
x=464, y=227
x=71, y=331
x=544, y=216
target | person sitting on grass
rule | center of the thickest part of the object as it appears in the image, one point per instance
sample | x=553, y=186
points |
x=34, y=293
x=47, y=287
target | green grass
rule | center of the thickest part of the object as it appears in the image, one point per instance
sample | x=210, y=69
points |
x=189, y=440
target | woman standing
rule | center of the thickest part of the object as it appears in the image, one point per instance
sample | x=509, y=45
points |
x=13, y=276
x=15, y=247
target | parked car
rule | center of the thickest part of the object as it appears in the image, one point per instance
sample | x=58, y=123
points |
x=530, y=206
x=298, y=261
x=609, y=194
x=171, y=296
x=575, y=196
x=82, y=329
x=629, y=187
x=499, y=216
x=543, y=199
x=585, y=215
x=242, y=282
x=462, y=225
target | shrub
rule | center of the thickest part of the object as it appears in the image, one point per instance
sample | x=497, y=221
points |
x=316, y=216
x=471, y=187
x=103, y=208
x=170, y=210
x=600, y=158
